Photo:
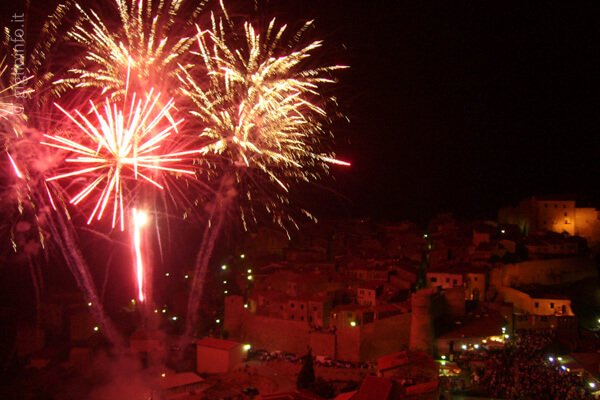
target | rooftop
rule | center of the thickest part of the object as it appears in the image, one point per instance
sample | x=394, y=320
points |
x=181, y=379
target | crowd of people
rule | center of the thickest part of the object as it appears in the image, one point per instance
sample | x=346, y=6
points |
x=522, y=370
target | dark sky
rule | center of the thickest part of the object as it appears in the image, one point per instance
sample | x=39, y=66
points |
x=466, y=107
x=457, y=107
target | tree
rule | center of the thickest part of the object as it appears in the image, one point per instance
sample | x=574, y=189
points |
x=306, y=376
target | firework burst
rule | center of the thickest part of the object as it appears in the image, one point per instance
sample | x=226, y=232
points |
x=143, y=51
x=261, y=107
x=120, y=147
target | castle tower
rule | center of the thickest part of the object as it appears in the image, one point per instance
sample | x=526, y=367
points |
x=421, y=328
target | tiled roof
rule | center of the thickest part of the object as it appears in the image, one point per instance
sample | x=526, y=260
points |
x=374, y=388
x=181, y=379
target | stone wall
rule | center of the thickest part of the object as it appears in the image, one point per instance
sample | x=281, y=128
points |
x=323, y=344
x=544, y=272
x=421, y=327
x=276, y=334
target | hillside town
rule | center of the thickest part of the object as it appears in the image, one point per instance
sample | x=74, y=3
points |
x=358, y=309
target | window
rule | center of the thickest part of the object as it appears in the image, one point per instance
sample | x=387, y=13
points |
x=349, y=315
x=447, y=280
x=566, y=222
x=301, y=318
x=433, y=279
x=564, y=206
x=292, y=317
x=362, y=292
x=310, y=318
x=292, y=305
x=556, y=206
x=546, y=205
x=281, y=307
x=537, y=305
x=315, y=308
x=551, y=305
x=454, y=281
x=476, y=279
x=565, y=214
x=302, y=306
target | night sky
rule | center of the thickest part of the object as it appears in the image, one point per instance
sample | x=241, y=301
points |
x=465, y=107
x=462, y=107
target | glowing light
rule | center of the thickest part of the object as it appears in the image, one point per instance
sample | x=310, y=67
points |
x=225, y=292
x=174, y=318
x=559, y=358
x=249, y=271
x=218, y=321
x=225, y=282
x=245, y=305
x=443, y=357
x=186, y=276
x=164, y=311
x=123, y=146
x=167, y=274
x=15, y=168
x=242, y=256
x=476, y=346
x=464, y=346
x=352, y=323
x=592, y=385
x=551, y=359
x=247, y=347
x=507, y=336
x=89, y=304
x=223, y=267
x=96, y=329
x=163, y=375
x=155, y=311
x=249, y=277
x=140, y=218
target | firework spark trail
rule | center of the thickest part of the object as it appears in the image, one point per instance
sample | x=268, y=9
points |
x=212, y=231
x=64, y=238
x=151, y=41
x=124, y=147
x=139, y=220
